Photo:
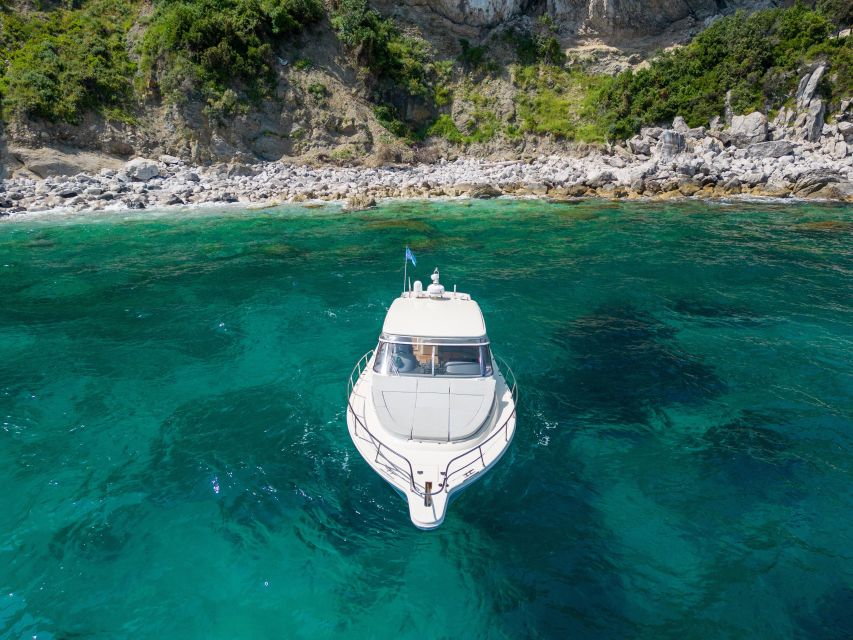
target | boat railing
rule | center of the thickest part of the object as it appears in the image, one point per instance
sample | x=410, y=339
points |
x=404, y=465
x=477, y=453
x=382, y=449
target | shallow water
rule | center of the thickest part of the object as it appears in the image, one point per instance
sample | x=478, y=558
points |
x=174, y=459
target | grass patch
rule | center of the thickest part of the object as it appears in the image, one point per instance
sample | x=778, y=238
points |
x=555, y=101
x=318, y=91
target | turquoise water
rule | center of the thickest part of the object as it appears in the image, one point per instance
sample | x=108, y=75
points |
x=175, y=464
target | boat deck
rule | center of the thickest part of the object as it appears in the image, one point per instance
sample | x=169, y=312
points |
x=427, y=472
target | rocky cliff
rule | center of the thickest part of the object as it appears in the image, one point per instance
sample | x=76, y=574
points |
x=609, y=19
x=496, y=79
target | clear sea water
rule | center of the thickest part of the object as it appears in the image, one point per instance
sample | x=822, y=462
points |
x=174, y=461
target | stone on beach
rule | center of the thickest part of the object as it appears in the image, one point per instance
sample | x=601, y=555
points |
x=142, y=169
x=748, y=129
x=659, y=163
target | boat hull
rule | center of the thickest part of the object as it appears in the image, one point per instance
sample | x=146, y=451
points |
x=429, y=474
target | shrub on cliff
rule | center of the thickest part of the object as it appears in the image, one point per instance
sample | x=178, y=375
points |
x=758, y=57
x=386, y=51
x=402, y=65
x=62, y=63
x=207, y=45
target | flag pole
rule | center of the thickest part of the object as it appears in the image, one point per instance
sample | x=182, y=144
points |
x=405, y=269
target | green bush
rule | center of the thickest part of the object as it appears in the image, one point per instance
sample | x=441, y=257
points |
x=554, y=101
x=472, y=57
x=399, y=63
x=758, y=57
x=483, y=127
x=839, y=12
x=318, y=90
x=207, y=45
x=538, y=46
x=61, y=63
x=390, y=54
x=388, y=118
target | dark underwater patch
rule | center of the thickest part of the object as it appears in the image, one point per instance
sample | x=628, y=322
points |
x=833, y=618
x=236, y=448
x=753, y=453
x=621, y=365
x=96, y=537
x=714, y=313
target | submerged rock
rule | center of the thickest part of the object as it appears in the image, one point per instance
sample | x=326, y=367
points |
x=360, y=203
x=484, y=192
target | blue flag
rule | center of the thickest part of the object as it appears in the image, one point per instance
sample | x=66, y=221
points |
x=411, y=256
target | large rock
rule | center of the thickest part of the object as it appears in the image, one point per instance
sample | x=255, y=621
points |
x=808, y=86
x=846, y=130
x=771, y=149
x=61, y=161
x=359, y=202
x=671, y=144
x=651, y=132
x=484, y=192
x=142, y=169
x=748, y=129
x=678, y=124
x=813, y=125
x=812, y=182
x=639, y=146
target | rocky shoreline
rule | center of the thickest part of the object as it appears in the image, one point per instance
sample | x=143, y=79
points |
x=791, y=157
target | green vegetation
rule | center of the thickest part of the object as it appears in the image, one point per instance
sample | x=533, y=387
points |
x=59, y=64
x=554, y=101
x=383, y=49
x=64, y=58
x=318, y=90
x=539, y=45
x=388, y=118
x=482, y=127
x=401, y=64
x=758, y=57
x=213, y=45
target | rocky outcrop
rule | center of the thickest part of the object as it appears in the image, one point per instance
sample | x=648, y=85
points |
x=671, y=144
x=748, y=129
x=584, y=17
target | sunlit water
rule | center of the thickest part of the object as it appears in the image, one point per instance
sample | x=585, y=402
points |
x=175, y=463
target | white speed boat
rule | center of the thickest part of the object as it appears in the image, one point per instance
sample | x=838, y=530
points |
x=428, y=409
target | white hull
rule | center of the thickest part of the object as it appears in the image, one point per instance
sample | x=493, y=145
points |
x=426, y=472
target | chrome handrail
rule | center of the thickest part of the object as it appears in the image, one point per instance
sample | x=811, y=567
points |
x=356, y=374
x=503, y=428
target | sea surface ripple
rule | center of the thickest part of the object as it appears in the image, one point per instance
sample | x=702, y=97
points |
x=175, y=463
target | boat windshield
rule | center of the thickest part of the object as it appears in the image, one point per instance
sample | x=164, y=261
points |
x=421, y=358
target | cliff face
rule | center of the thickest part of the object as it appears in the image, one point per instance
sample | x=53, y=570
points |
x=603, y=18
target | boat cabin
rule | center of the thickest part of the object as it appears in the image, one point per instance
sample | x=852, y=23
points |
x=433, y=375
